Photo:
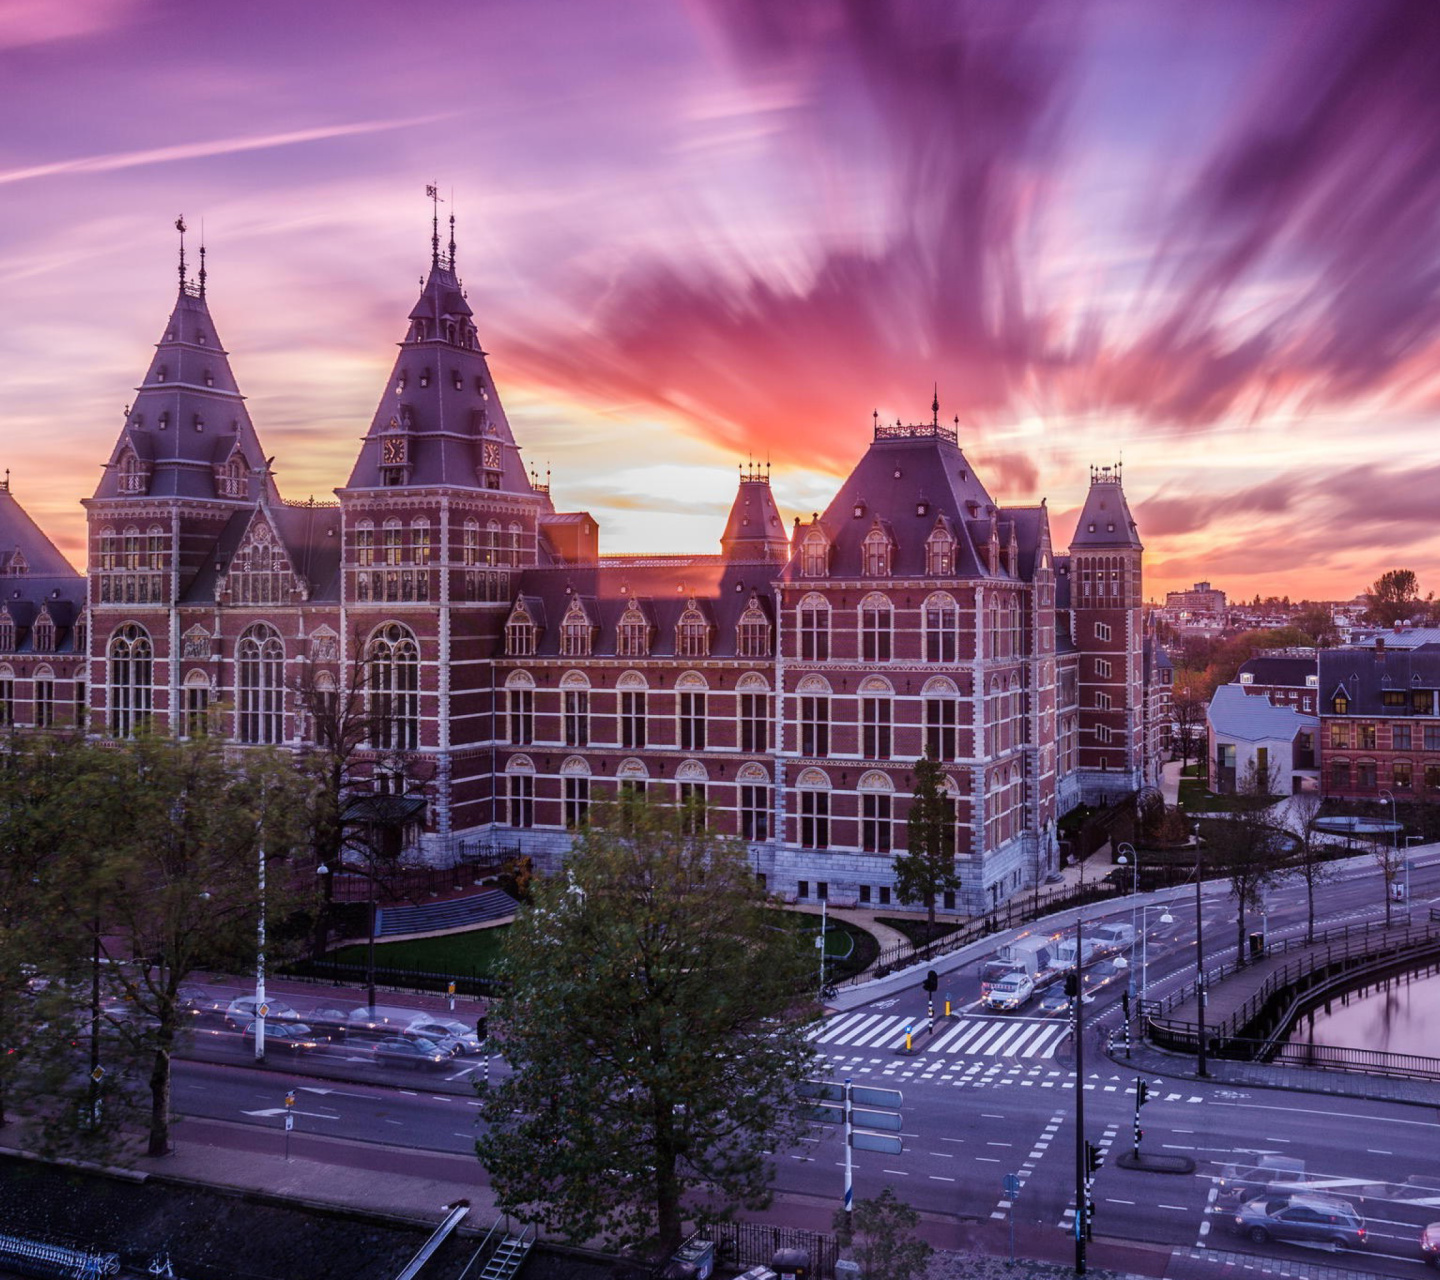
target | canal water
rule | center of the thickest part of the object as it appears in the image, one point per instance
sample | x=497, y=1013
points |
x=1399, y=1014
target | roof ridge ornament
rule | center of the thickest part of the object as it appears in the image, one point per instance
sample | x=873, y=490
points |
x=181, y=228
x=433, y=191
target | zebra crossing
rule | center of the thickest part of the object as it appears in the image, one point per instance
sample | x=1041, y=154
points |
x=964, y=1037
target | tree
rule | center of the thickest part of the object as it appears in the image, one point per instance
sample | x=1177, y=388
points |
x=175, y=886
x=1393, y=597
x=1318, y=625
x=927, y=868
x=882, y=1236
x=1247, y=845
x=1188, y=707
x=655, y=1029
x=1310, y=861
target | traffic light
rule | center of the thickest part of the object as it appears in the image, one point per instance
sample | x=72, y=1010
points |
x=932, y=981
x=1094, y=1158
x=1072, y=984
x=1142, y=1092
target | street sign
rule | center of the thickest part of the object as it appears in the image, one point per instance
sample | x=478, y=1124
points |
x=98, y=1074
x=289, y=1121
x=290, y=1099
x=826, y=1115
x=1012, y=1185
x=824, y=1089
x=263, y=1010
x=876, y=1119
x=863, y=1141
x=868, y=1096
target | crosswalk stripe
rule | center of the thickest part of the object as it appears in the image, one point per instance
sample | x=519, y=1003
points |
x=991, y=1037
x=936, y=1045
x=883, y=1031
x=854, y=1028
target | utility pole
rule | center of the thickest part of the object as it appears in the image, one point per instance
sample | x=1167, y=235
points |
x=1081, y=1152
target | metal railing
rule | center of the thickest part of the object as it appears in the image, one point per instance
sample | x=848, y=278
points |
x=466, y=984
x=741, y=1245
x=407, y=884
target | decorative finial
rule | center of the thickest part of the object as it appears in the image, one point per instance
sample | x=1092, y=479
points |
x=452, y=241
x=7, y=479
x=202, y=262
x=433, y=192
x=935, y=407
x=180, y=227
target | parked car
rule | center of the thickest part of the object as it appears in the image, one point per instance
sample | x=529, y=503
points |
x=294, y=1036
x=1012, y=992
x=449, y=1033
x=1269, y=1175
x=245, y=1009
x=403, y=1051
x=1305, y=1219
x=1430, y=1243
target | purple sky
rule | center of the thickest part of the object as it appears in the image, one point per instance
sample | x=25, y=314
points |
x=1199, y=237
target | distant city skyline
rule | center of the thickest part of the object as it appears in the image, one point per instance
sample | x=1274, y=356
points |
x=1196, y=239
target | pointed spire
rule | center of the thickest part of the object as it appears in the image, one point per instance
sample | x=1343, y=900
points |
x=433, y=191
x=202, y=262
x=935, y=407
x=452, y=241
x=180, y=227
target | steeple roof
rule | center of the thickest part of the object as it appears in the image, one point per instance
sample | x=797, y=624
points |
x=188, y=418
x=1105, y=520
x=440, y=420
x=754, y=530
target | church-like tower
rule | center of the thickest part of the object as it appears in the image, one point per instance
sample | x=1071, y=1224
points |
x=1106, y=626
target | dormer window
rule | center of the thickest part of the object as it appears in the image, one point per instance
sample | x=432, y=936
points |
x=43, y=633
x=1341, y=704
x=457, y=381
x=752, y=633
x=876, y=554
x=859, y=511
x=232, y=478
x=7, y=633
x=692, y=634
x=940, y=555
x=632, y=635
x=400, y=384
x=132, y=474
x=815, y=555
x=199, y=423
x=164, y=421
x=520, y=634
x=200, y=336
x=576, y=632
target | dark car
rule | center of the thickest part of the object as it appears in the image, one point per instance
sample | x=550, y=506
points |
x=407, y=1051
x=294, y=1036
x=1269, y=1175
x=1304, y=1219
x=1430, y=1243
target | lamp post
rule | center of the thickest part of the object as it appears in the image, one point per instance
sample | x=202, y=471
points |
x=1165, y=918
x=1133, y=862
x=1394, y=845
x=260, y=969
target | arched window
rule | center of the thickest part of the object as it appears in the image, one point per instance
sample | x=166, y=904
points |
x=521, y=633
x=942, y=621
x=876, y=818
x=814, y=788
x=576, y=632
x=420, y=541
x=814, y=694
x=393, y=542
x=941, y=714
x=876, y=618
x=815, y=555
x=876, y=554
x=130, y=658
x=196, y=710
x=752, y=632
x=632, y=634
x=260, y=677
x=877, y=700
x=814, y=629
x=940, y=554
x=132, y=474
x=631, y=689
x=692, y=634
x=42, y=634
x=365, y=544
x=393, y=684
x=470, y=543
x=7, y=632
x=232, y=477
x=690, y=700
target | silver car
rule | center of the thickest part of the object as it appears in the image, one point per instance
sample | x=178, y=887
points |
x=450, y=1034
x=1304, y=1219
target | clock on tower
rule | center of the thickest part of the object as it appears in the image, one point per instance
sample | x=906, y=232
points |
x=394, y=451
x=492, y=455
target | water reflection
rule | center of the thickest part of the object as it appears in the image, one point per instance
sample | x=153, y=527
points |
x=1394, y=1015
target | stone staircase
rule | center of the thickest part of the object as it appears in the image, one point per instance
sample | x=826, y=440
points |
x=451, y=913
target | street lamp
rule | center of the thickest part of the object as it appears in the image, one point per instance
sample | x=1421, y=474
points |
x=1165, y=918
x=1200, y=993
x=1133, y=862
x=1394, y=845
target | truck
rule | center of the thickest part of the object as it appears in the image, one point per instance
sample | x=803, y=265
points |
x=1032, y=955
x=1112, y=937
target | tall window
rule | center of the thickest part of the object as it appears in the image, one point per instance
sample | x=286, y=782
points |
x=520, y=636
x=875, y=824
x=365, y=544
x=1366, y=737
x=42, y=634
x=394, y=542
x=875, y=616
x=7, y=633
x=692, y=803
x=814, y=555
x=876, y=554
x=754, y=722
x=577, y=801
x=420, y=542
x=130, y=660
x=632, y=718
x=940, y=728
x=755, y=812
x=875, y=727
x=470, y=544
x=44, y=702
x=1400, y=737
x=522, y=800
x=940, y=555
x=521, y=708
x=752, y=634
x=197, y=706
x=692, y=635
x=814, y=632
x=394, y=688
x=692, y=720
x=1402, y=772
x=575, y=632
x=941, y=622
x=7, y=697
x=632, y=635
x=260, y=675
x=814, y=725
x=814, y=819
x=1340, y=775
x=577, y=717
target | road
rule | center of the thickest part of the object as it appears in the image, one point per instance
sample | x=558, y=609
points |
x=984, y=1096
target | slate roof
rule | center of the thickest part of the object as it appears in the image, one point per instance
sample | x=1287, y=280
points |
x=188, y=414
x=1289, y=672
x=49, y=580
x=1365, y=676
x=1105, y=519
x=1405, y=638
x=754, y=530
x=1236, y=715
x=662, y=586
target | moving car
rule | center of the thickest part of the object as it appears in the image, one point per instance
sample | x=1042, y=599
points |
x=1011, y=992
x=381, y=1020
x=1054, y=1002
x=245, y=1009
x=294, y=1036
x=1430, y=1244
x=449, y=1033
x=335, y=1023
x=403, y=1051
x=1305, y=1219
x=1269, y=1175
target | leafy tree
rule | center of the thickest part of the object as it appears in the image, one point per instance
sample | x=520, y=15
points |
x=655, y=1031
x=882, y=1237
x=1247, y=845
x=927, y=868
x=1316, y=622
x=1393, y=597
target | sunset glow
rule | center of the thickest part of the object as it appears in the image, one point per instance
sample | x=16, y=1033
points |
x=1200, y=238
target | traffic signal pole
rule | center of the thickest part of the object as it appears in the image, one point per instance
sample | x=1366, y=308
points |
x=1081, y=1196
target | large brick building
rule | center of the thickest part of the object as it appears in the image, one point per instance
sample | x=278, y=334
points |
x=514, y=674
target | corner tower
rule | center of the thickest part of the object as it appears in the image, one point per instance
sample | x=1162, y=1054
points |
x=754, y=532
x=1105, y=597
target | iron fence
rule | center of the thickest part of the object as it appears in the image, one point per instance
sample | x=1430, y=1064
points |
x=740, y=1245
x=473, y=983
x=411, y=884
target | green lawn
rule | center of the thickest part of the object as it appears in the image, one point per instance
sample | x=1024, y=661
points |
x=1196, y=799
